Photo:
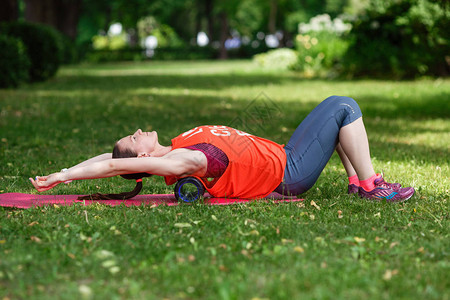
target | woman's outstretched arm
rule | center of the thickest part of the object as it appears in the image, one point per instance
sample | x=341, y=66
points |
x=87, y=162
x=97, y=158
x=180, y=166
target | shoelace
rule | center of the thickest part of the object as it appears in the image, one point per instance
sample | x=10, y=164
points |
x=382, y=183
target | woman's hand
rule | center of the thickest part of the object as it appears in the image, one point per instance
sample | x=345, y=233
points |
x=83, y=170
x=44, y=183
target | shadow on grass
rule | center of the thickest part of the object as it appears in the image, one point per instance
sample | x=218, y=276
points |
x=420, y=154
x=102, y=121
x=425, y=107
x=213, y=82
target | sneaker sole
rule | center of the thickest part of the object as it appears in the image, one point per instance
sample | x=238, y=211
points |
x=390, y=200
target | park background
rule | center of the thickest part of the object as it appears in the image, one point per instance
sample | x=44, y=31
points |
x=348, y=38
x=77, y=75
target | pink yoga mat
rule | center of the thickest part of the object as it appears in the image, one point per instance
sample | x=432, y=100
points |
x=20, y=200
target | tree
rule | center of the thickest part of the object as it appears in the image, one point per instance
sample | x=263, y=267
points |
x=60, y=14
x=272, y=27
x=9, y=10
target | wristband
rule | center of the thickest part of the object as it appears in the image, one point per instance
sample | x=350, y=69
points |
x=63, y=171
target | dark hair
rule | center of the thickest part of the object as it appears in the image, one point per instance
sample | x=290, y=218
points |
x=121, y=153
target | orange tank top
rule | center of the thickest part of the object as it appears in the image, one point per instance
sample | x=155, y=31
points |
x=256, y=165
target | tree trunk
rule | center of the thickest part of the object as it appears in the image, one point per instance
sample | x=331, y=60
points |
x=223, y=35
x=60, y=14
x=108, y=18
x=198, y=19
x=68, y=17
x=209, y=19
x=273, y=16
x=41, y=11
x=9, y=10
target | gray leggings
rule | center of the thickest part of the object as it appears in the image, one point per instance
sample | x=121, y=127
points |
x=314, y=141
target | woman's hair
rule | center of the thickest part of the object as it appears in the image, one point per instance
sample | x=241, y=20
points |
x=121, y=153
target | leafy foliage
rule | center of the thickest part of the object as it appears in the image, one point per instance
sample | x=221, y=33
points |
x=163, y=53
x=104, y=42
x=166, y=35
x=321, y=44
x=14, y=62
x=284, y=58
x=70, y=52
x=42, y=45
x=402, y=39
x=320, y=53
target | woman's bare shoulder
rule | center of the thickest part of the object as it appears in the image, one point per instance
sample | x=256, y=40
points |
x=195, y=159
x=182, y=151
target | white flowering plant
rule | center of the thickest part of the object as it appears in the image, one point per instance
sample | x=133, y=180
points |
x=283, y=58
x=321, y=44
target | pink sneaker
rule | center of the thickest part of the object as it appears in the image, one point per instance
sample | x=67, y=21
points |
x=353, y=188
x=382, y=190
x=394, y=186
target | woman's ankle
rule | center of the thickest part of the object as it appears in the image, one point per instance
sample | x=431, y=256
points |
x=368, y=184
x=353, y=180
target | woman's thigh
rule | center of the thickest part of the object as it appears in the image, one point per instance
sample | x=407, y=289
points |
x=314, y=141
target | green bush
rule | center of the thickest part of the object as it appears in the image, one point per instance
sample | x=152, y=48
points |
x=321, y=45
x=248, y=50
x=167, y=37
x=42, y=44
x=105, y=42
x=69, y=54
x=138, y=54
x=283, y=58
x=320, y=52
x=400, y=39
x=184, y=53
x=14, y=62
x=127, y=54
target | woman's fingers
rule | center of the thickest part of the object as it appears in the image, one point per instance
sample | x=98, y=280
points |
x=41, y=184
x=41, y=178
x=35, y=184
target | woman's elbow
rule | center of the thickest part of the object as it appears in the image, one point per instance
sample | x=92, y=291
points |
x=114, y=168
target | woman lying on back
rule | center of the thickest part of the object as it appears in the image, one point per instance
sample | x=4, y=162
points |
x=232, y=163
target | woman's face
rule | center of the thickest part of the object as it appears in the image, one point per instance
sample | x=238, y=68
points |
x=143, y=143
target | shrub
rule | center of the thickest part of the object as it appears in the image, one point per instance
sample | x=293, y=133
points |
x=106, y=42
x=138, y=54
x=321, y=45
x=127, y=54
x=166, y=35
x=42, y=46
x=14, y=62
x=283, y=58
x=401, y=39
x=69, y=53
x=184, y=53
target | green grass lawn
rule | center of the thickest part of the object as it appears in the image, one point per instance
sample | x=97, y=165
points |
x=348, y=249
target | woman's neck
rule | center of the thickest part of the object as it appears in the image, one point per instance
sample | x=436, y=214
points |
x=161, y=151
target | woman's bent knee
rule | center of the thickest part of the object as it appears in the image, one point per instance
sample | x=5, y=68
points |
x=345, y=108
x=337, y=101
